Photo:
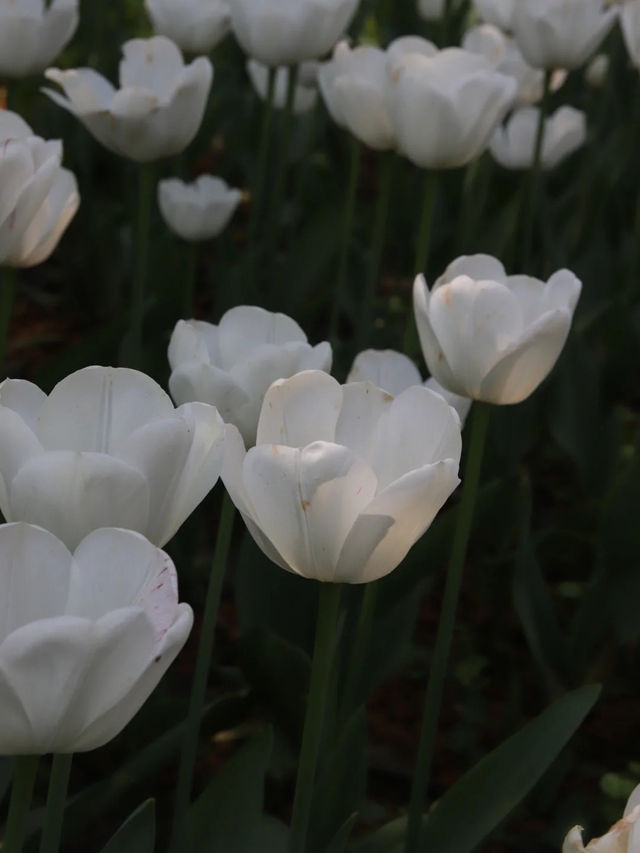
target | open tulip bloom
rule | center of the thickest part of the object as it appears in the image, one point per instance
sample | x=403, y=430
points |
x=84, y=637
x=199, y=210
x=156, y=112
x=490, y=336
x=106, y=448
x=343, y=479
x=513, y=143
x=196, y=26
x=32, y=35
x=38, y=199
x=232, y=365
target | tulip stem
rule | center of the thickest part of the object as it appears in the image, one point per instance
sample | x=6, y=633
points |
x=378, y=239
x=533, y=191
x=145, y=196
x=437, y=673
x=423, y=240
x=7, y=296
x=261, y=173
x=200, y=676
x=191, y=271
x=24, y=778
x=359, y=649
x=328, y=608
x=56, y=799
x=347, y=228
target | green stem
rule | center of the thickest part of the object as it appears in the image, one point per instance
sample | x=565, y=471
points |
x=201, y=674
x=437, y=673
x=359, y=649
x=347, y=227
x=145, y=198
x=257, y=200
x=423, y=239
x=56, y=799
x=328, y=607
x=378, y=239
x=533, y=190
x=191, y=270
x=7, y=296
x=24, y=778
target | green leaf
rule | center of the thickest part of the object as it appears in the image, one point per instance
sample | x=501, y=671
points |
x=137, y=834
x=225, y=816
x=485, y=795
x=339, y=841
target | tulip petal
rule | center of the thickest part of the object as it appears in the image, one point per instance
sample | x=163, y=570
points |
x=103, y=728
x=479, y=267
x=62, y=204
x=412, y=503
x=522, y=368
x=300, y=409
x=200, y=381
x=35, y=571
x=248, y=324
x=387, y=369
x=86, y=90
x=17, y=444
x=152, y=64
x=96, y=408
x=431, y=349
x=72, y=493
x=189, y=342
x=306, y=501
x=362, y=407
x=116, y=568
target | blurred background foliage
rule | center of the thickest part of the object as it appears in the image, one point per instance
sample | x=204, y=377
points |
x=552, y=586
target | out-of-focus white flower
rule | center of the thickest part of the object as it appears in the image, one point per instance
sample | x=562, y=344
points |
x=513, y=143
x=433, y=10
x=395, y=372
x=629, y=12
x=496, y=12
x=490, y=336
x=200, y=210
x=287, y=32
x=354, y=88
x=106, y=448
x=84, y=637
x=503, y=52
x=232, y=365
x=32, y=35
x=560, y=33
x=38, y=199
x=623, y=837
x=445, y=107
x=196, y=26
x=597, y=70
x=156, y=112
x=305, y=93
x=343, y=479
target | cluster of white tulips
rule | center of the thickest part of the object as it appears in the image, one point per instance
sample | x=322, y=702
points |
x=335, y=482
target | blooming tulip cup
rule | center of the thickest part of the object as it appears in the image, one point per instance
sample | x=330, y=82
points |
x=343, y=479
x=32, y=34
x=490, y=336
x=84, y=637
x=106, y=447
x=196, y=26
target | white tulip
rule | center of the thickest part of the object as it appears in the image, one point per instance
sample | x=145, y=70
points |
x=343, y=479
x=395, y=372
x=39, y=198
x=560, y=33
x=504, y=54
x=106, y=448
x=200, y=210
x=513, y=143
x=445, y=107
x=305, y=93
x=32, y=35
x=496, y=12
x=433, y=10
x=623, y=837
x=196, y=26
x=287, y=32
x=630, y=23
x=84, y=637
x=155, y=114
x=489, y=336
x=232, y=365
x=354, y=88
